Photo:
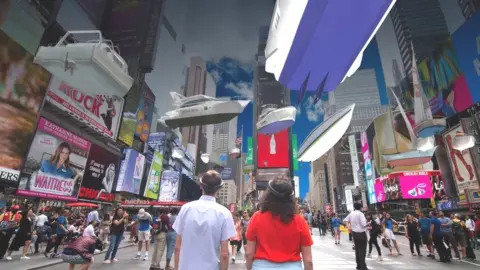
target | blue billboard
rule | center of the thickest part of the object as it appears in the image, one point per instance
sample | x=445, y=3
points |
x=131, y=172
x=466, y=41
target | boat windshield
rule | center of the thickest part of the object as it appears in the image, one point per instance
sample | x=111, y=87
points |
x=191, y=101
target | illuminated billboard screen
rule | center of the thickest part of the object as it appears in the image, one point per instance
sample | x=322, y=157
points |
x=272, y=150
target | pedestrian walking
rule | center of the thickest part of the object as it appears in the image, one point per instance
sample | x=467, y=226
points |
x=438, y=238
x=171, y=237
x=375, y=231
x=203, y=228
x=413, y=235
x=145, y=220
x=117, y=229
x=358, y=226
x=289, y=243
x=163, y=223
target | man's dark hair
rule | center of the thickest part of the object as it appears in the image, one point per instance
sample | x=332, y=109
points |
x=211, y=182
x=434, y=213
x=279, y=199
x=357, y=206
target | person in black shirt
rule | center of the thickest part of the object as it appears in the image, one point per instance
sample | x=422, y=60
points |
x=375, y=231
x=413, y=234
x=116, y=234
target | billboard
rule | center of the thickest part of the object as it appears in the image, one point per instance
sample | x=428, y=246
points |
x=444, y=83
x=169, y=186
x=153, y=181
x=144, y=113
x=352, y=142
x=466, y=41
x=272, y=150
x=379, y=190
x=249, y=159
x=367, y=166
x=101, y=112
x=23, y=86
x=129, y=116
x=461, y=162
x=295, y=152
x=55, y=164
x=131, y=172
x=100, y=175
x=413, y=185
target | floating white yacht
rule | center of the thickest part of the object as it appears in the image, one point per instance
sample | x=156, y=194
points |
x=202, y=110
x=93, y=67
x=273, y=119
x=325, y=135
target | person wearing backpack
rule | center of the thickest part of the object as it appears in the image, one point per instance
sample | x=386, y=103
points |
x=458, y=229
x=163, y=225
x=447, y=234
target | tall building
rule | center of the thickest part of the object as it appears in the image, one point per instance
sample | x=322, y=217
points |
x=195, y=84
x=421, y=23
x=319, y=184
x=361, y=88
x=469, y=7
x=228, y=193
x=223, y=141
x=267, y=90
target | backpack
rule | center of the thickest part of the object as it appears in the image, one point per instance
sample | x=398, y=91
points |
x=457, y=228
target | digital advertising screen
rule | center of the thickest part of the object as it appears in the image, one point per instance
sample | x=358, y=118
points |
x=169, y=186
x=131, y=172
x=272, y=150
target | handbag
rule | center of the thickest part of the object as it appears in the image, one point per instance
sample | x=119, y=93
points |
x=384, y=242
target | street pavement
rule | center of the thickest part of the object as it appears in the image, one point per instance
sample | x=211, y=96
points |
x=326, y=256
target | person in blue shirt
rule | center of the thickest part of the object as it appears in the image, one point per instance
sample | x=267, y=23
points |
x=436, y=235
x=426, y=227
x=336, y=228
x=447, y=234
x=388, y=221
x=143, y=223
x=59, y=163
x=61, y=232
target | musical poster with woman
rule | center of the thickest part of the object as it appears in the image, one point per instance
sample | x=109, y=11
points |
x=55, y=164
x=461, y=162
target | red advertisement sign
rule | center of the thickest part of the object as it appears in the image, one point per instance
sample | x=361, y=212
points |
x=272, y=150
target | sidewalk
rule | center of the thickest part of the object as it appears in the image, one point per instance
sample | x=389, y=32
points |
x=39, y=261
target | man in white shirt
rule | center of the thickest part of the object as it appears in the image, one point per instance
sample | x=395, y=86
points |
x=203, y=228
x=358, y=226
x=93, y=216
x=41, y=219
x=89, y=230
x=470, y=224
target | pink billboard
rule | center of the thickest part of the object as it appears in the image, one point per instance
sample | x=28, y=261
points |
x=365, y=146
x=379, y=190
x=57, y=160
x=416, y=187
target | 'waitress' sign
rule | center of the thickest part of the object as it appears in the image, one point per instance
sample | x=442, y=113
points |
x=57, y=161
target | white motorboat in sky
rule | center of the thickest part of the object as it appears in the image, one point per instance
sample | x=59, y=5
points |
x=202, y=110
x=325, y=135
x=273, y=119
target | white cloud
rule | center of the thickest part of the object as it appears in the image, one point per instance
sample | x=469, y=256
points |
x=216, y=75
x=314, y=111
x=243, y=89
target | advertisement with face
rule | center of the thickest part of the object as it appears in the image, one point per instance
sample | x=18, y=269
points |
x=379, y=190
x=367, y=164
x=100, y=112
x=153, y=182
x=169, y=186
x=22, y=89
x=131, y=172
x=461, y=162
x=466, y=41
x=56, y=163
x=100, y=175
x=272, y=150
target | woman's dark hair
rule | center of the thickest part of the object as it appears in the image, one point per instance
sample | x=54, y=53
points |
x=106, y=217
x=174, y=211
x=116, y=211
x=279, y=200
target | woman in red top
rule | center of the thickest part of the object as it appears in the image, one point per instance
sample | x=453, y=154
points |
x=277, y=234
